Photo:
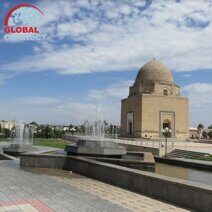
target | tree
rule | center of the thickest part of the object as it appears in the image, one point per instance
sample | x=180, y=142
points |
x=210, y=127
x=43, y=131
x=105, y=123
x=47, y=132
x=6, y=133
x=200, y=126
x=77, y=128
x=204, y=134
x=33, y=123
x=82, y=128
x=210, y=134
x=57, y=133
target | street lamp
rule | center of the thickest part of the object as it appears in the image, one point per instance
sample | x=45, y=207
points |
x=166, y=133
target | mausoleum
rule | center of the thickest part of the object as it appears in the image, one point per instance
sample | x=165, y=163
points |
x=154, y=103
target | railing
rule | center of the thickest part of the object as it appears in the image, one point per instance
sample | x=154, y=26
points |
x=155, y=143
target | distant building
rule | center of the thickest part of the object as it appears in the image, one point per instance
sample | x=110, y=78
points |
x=202, y=133
x=8, y=124
x=66, y=128
x=59, y=127
x=154, y=103
x=193, y=132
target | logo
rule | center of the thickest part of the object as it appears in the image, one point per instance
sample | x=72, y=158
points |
x=22, y=23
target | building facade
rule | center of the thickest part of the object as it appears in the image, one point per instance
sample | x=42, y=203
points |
x=154, y=103
x=8, y=124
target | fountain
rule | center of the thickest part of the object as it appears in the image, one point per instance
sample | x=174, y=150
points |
x=22, y=140
x=94, y=143
x=96, y=146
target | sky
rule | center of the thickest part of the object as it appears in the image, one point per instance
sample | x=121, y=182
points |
x=92, y=53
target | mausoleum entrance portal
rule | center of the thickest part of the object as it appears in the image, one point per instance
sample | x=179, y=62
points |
x=130, y=128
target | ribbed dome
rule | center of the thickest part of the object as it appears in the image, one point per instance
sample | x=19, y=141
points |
x=154, y=71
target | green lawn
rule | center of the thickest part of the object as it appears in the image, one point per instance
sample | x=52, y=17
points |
x=51, y=142
x=4, y=139
x=207, y=158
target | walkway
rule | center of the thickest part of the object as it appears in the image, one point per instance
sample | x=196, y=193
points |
x=46, y=190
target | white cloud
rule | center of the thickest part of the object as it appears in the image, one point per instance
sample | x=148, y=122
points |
x=46, y=110
x=186, y=75
x=109, y=98
x=118, y=91
x=99, y=36
x=4, y=77
x=97, y=104
x=199, y=88
x=118, y=35
x=200, y=97
x=36, y=101
x=104, y=103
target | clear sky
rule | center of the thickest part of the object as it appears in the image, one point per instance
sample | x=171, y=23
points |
x=93, y=52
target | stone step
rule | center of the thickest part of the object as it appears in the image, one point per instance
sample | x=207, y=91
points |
x=178, y=153
x=193, y=154
x=187, y=151
x=182, y=150
x=183, y=153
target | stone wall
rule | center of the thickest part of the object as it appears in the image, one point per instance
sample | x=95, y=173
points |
x=131, y=104
x=188, y=194
x=131, y=147
x=150, y=110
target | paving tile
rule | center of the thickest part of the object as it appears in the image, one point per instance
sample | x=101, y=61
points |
x=61, y=191
x=20, y=184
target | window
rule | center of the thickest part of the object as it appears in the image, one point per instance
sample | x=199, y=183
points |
x=165, y=92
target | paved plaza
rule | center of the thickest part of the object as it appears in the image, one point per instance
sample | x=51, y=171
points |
x=172, y=144
x=57, y=190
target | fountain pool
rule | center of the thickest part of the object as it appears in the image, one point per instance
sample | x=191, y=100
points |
x=22, y=140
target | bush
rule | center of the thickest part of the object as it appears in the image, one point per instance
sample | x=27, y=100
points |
x=200, y=126
x=210, y=134
x=204, y=134
x=5, y=133
x=48, y=132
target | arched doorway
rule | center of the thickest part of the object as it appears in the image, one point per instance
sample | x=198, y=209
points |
x=130, y=123
x=166, y=123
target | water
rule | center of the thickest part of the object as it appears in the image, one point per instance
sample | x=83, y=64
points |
x=100, y=130
x=95, y=129
x=184, y=173
x=23, y=134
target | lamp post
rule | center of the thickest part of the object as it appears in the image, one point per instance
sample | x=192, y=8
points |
x=167, y=133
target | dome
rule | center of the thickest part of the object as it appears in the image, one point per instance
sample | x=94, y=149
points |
x=154, y=71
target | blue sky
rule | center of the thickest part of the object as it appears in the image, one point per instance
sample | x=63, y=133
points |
x=93, y=52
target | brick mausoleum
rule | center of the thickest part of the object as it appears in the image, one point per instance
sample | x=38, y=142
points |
x=154, y=103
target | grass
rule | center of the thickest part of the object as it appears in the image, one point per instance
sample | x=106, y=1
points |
x=206, y=158
x=4, y=139
x=51, y=142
